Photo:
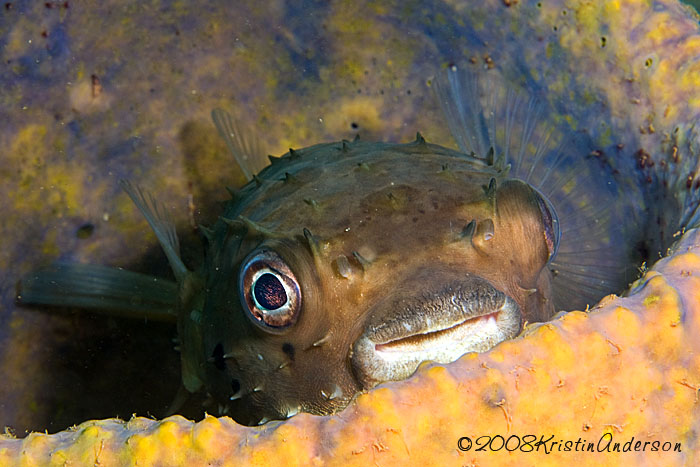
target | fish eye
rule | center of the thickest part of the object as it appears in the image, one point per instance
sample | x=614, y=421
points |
x=270, y=293
x=550, y=222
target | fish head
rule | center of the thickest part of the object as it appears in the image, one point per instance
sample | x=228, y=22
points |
x=463, y=294
x=407, y=253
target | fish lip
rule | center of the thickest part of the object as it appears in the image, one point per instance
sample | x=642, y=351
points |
x=474, y=322
x=434, y=337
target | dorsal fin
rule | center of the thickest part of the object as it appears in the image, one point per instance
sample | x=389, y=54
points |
x=157, y=217
x=245, y=148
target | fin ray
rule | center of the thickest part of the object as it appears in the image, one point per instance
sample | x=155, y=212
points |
x=157, y=217
x=595, y=209
x=247, y=151
x=100, y=288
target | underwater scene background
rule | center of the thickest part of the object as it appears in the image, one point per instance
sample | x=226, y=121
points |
x=92, y=93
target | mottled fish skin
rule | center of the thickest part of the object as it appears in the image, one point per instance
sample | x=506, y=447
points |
x=380, y=237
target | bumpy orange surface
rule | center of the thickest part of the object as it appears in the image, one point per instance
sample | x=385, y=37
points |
x=618, y=384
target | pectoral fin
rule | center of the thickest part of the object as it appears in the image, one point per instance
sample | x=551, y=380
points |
x=98, y=288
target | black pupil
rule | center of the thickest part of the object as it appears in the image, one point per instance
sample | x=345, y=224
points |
x=269, y=292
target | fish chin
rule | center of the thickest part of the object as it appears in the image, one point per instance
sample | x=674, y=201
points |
x=470, y=317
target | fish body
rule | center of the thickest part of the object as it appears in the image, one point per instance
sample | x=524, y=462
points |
x=379, y=256
x=383, y=244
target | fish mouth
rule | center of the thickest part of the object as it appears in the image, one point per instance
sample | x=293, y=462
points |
x=470, y=315
x=433, y=342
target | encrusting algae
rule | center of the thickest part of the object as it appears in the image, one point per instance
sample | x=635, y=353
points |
x=626, y=369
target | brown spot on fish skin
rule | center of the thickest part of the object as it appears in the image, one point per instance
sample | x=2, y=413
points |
x=289, y=350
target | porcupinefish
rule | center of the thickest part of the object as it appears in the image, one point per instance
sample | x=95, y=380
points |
x=344, y=265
